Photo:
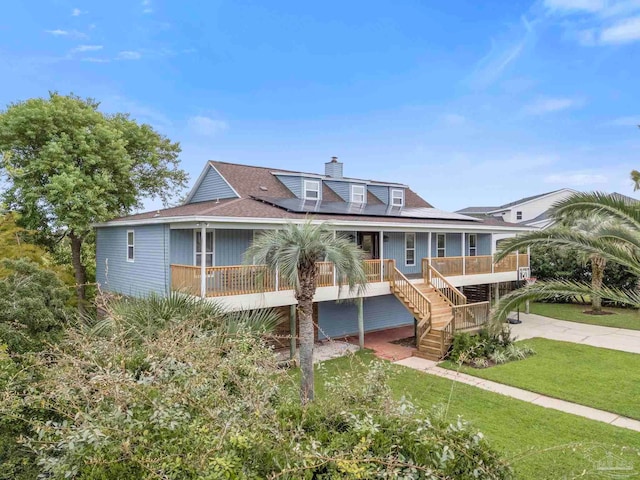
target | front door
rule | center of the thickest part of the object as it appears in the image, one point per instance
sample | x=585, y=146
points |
x=369, y=242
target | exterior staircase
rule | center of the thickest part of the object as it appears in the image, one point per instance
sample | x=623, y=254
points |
x=437, y=341
x=440, y=309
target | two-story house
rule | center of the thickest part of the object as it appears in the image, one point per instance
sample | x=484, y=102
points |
x=420, y=260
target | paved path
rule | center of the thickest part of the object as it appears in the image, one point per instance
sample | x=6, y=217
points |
x=431, y=367
x=594, y=335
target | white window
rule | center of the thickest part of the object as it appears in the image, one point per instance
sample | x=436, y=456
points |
x=473, y=244
x=311, y=190
x=397, y=197
x=409, y=249
x=441, y=245
x=358, y=193
x=208, y=249
x=130, y=246
x=518, y=215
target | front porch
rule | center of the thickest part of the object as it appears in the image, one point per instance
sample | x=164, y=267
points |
x=221, y=281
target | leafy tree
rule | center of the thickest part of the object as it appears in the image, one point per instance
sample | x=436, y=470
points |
x=33, y=307
x=68, y=165
x=617, y=243
x=294, y=251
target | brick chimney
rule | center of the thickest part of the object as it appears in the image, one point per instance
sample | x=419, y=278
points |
x=333, y=168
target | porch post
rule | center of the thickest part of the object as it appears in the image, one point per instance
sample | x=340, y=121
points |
x=203, y=261
x=334, y=267
x=464, y=266
x=292, y=331
x=381, y=256
x=429, y=249
x=493, y=253
x=360, y=323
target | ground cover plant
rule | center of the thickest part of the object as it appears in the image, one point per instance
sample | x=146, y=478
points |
x=486, y=348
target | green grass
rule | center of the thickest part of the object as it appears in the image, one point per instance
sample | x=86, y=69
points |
x=540, y=443
x=596, y=377
x=621, y=318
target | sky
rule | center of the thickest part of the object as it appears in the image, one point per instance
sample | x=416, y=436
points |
x=469, y=103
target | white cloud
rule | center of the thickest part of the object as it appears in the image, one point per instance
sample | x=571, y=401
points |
x=576, y=179
x=504, y=51
x=545, y=105
x=625, y=31
x=76, y=12
x=129, y=55
x=57, y=32
x=86, y=48
x=629, y=121
x=575, y=5
x=454, y=119
x=66, y=33
x=146, y=6
x=95, y=60
x=206, y=126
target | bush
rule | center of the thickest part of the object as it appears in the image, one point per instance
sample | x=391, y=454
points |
x=196, y=400
x=486, y=348
x=33, y=307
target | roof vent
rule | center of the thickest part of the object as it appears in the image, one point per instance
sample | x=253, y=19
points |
x=333, y=168
x=263, y=188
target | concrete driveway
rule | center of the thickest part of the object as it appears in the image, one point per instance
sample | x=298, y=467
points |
x=594, y=335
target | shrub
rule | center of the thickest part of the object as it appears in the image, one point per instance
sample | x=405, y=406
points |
x=486, y=348
x=33, y=307
x=196, y=401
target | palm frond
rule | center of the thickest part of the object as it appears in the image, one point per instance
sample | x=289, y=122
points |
x=564, y=289
x=615, y=252
x=299, y=247
x=581, y=204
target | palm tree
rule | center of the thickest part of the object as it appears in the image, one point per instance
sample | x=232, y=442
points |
x=616, y=240
x=294, y=251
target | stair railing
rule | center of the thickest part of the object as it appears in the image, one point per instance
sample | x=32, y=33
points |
x=450, y=293
x=470, y=316
x=413, y=298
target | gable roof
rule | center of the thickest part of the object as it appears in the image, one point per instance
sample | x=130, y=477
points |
x=485, y=210
x=253, y=181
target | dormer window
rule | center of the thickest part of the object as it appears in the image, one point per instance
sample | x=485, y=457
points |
x=518, y=215
x=311, y=190
x=358, y=193
x=397, y=197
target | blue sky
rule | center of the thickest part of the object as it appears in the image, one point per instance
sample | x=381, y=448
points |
x=470, y=103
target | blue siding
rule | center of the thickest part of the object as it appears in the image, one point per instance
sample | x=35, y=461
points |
x=382, y=193
x=148, y=273
x=340, y=319
x=454, y=245
x=181, y=247
x=213, y=187
x=296, y=184
x=484, y=244
x=231, y=245
x=394, y=248
x=342, y=189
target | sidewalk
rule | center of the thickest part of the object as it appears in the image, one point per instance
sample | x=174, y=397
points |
x=431, y=367
x=594, y=335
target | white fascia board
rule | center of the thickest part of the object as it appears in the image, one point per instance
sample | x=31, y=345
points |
x=341, y=179
x=298, y=174
x=533, y=200
x=242, y=222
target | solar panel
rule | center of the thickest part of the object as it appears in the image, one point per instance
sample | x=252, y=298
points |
x=297, y=205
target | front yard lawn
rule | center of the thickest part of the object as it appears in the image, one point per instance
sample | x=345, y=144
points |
x=540, y=443
x=620, y=318
x=597, y=377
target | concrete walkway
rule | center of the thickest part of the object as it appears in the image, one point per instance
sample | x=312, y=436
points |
x=594, y=335
x=432, y=368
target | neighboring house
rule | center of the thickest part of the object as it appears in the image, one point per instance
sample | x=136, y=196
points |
x=416, y=255
x=531, y=211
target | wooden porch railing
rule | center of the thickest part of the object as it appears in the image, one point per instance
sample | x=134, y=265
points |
x=470, y=316
x=450, y=293
x=246, y=279
x=414, y=299
x=453, y=266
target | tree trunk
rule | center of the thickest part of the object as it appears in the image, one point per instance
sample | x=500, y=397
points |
x=305, y=325
x=598, y=265
x=79, y=270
